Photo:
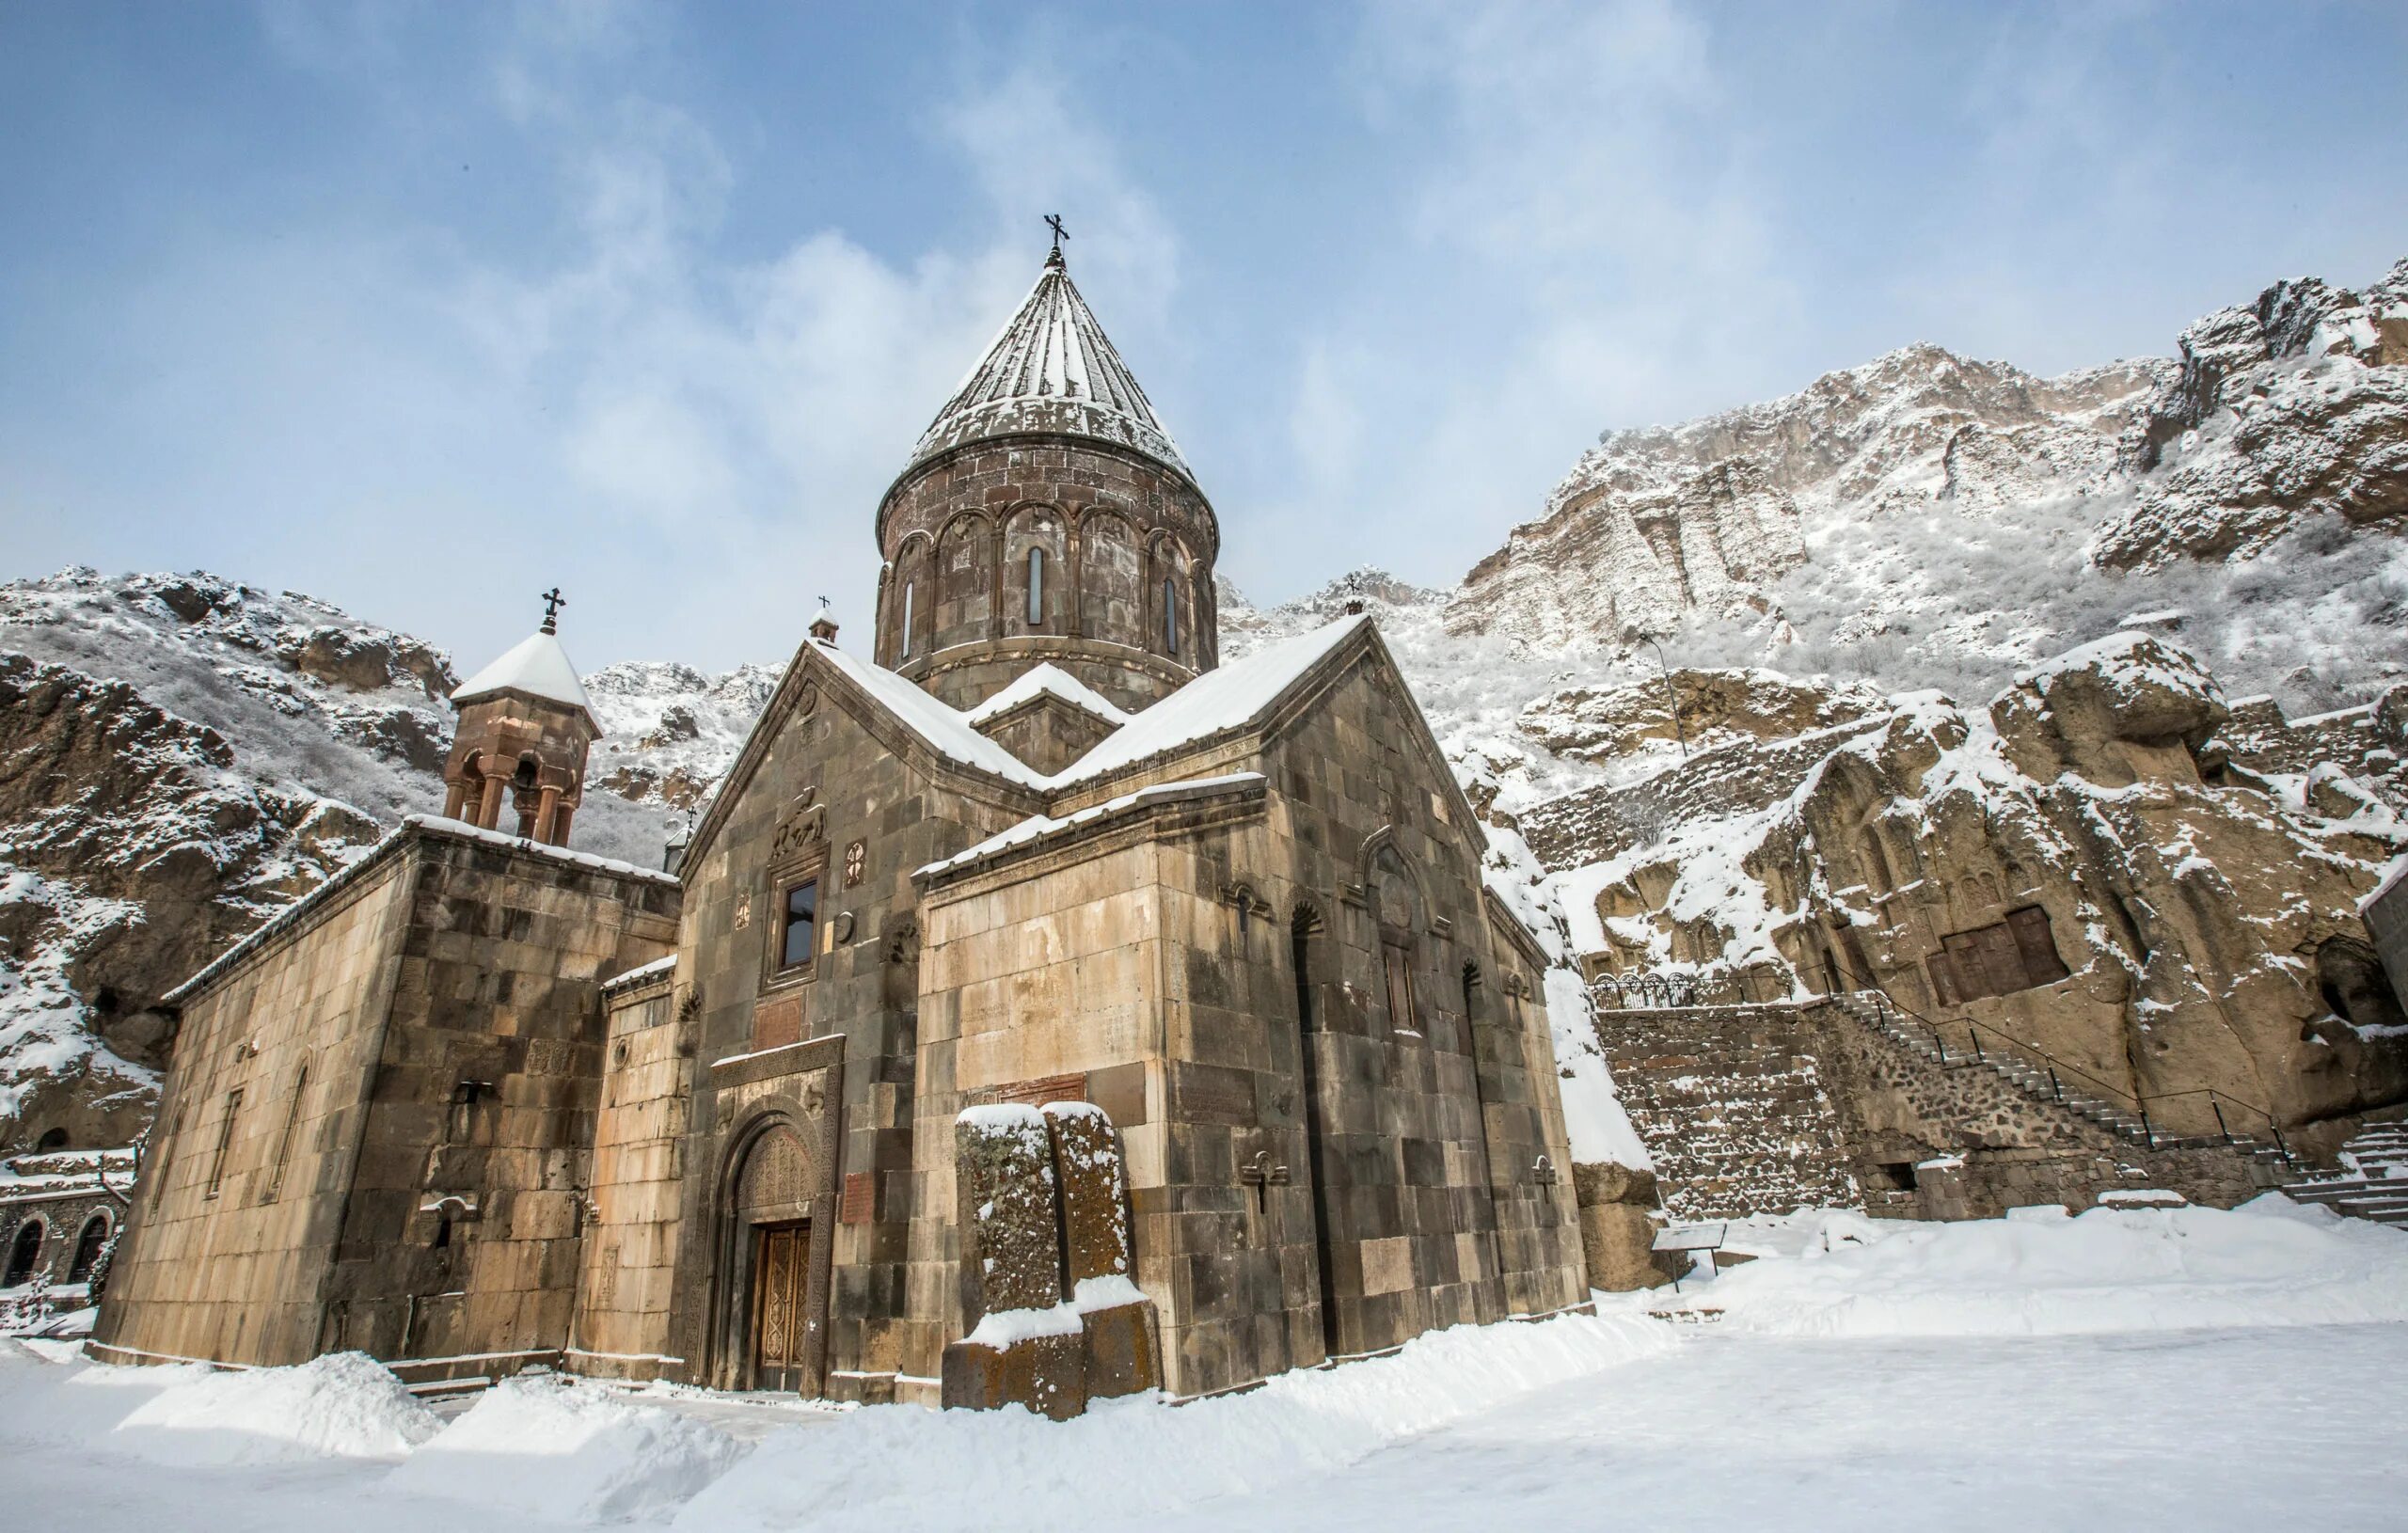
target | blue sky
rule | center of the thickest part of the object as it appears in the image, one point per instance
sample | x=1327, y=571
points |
x=423, y=308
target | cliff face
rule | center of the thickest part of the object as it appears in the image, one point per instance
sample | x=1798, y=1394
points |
x=2106, y=864
x=1703, y=518
x=1931, y=520
x=183, y=754
x=2294, y=405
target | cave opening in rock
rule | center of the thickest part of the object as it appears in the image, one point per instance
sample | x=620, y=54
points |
x=2350, y=981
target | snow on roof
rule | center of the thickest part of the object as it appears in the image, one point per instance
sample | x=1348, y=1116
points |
x=1039, y=827
x=1050, y=369
x=292, y=914
x=1215, y=700
x=942, y=728
x=1048, y=678
x=535, y=664
x=639, y=973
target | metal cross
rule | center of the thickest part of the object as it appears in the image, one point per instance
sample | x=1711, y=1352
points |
x=553, y=601
x=1054, y=221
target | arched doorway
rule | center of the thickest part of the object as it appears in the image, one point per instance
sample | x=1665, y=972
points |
x=769, y=1208
x=87, y=1248
x=24, y=1252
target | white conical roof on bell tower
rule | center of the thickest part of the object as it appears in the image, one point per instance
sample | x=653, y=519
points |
x=1051, y=368
x=536, y=665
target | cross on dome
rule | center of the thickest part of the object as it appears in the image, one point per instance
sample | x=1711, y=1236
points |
x=1052, y=370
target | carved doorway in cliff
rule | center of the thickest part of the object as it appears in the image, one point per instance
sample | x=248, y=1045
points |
x=781, y=1291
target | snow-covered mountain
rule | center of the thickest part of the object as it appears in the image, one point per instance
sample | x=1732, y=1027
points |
x=183, y=754
x=1931, y=520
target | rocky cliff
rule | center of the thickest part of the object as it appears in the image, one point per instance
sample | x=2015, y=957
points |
x=1685, y=698
x=1927, y=519
x=182, y=755
x=2109, y=864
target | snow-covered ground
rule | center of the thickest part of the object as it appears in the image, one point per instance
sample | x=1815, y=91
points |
x=2151, y=1368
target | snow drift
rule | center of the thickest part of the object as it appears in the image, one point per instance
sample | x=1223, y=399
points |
x=1006, y=1469
x=2041, y=1273
x=549, y=1448
x=341, y=1405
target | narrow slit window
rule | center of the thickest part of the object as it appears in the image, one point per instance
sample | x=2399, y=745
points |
x=284, y=1137
x=908, y=593
x=1402, y=1015
x=225, y=1142
x=802, y=923
x=1036, y=587
x=1170, y=616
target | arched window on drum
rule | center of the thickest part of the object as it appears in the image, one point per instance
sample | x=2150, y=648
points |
x=1036, y=545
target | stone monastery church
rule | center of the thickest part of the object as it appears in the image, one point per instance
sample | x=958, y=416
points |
x=1041, y=1010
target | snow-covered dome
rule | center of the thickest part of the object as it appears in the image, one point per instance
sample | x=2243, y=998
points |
x=536, y=665
x=1052, y=370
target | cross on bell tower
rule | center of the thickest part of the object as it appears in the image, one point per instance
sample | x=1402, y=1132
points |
x=553, y=601
x=1053, y=222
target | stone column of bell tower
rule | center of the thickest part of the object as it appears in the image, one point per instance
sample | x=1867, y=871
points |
x=525, y=728
x=1046, y=515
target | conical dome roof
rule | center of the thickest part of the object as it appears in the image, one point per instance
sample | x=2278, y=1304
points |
x=1052, y=370
x=535, y=665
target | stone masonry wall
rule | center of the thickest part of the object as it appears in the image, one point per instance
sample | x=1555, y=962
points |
x=1763, y=1109
x=1730, y=1103
x=629, y=1260
x=228, y=1248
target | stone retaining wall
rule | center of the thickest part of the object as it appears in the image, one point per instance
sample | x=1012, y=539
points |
x=1762, y=1109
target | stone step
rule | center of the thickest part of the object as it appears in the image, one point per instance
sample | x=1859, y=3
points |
x=2327, y=1191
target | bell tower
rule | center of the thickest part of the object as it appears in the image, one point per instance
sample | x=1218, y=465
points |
x=525, y=726
x=1047, y=516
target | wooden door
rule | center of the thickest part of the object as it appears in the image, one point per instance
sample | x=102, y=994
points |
x=781, y=1280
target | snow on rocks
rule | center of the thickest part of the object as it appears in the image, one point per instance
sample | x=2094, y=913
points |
x=341, y=1405
x=2039, y=1271
x=555, y=1449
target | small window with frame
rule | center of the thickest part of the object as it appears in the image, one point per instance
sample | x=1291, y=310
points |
x=797, y=925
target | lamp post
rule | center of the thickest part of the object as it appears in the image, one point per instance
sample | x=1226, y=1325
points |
x=1671, y=699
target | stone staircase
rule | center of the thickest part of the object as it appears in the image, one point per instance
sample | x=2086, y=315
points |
x=2372, y=1182
x=2271, y=1165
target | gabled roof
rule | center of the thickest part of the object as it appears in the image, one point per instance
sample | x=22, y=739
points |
x=1237, y=694
x=1051, y=368
x=1046, y=678
x=535, y=665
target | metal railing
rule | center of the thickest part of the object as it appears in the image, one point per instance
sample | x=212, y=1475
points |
x=2058, y=1070
x=1765, y=984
